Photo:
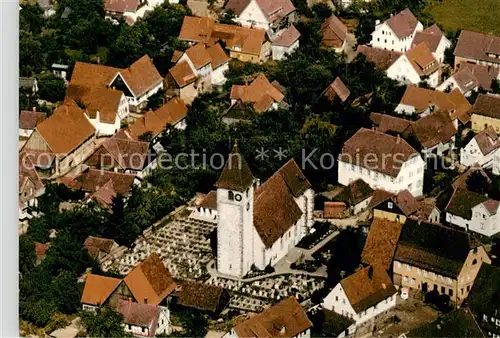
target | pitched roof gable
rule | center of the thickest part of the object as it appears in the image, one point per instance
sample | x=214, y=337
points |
x=381, y=242
x=402, y=24
x=97, y=289
x=141, y=76
x=382, y=58
x=487, y=105
x=475, y=45
x=143, y=315
x=422, y=59
x=462, y=201
x=30, y=119
x=334, y=32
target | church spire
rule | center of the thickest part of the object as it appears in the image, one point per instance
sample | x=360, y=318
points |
x=236, y=174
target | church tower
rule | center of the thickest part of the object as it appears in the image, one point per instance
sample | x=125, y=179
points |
x=235, y=202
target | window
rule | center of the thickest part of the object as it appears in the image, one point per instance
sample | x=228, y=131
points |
x=443, y=290
x=450, y=292
x=230, y=195
x=410, y=186
x=408, y=267
x=343, y=301
x=390, y=205
x=143, y=329
x=398, y=264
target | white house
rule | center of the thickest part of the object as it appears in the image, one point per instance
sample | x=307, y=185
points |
x=261, y=94
x=396, y=33
x=144, y=320
x=435, y=39
x=285, y=43
x=363, y=295
x=106, y=117
x=284, y=319
x=383, y=161
x=207, y=62
x=471, y=77
x=416, y=65
x=270, y=15
x=474, y=212
x=259, y=224
x=483, y=149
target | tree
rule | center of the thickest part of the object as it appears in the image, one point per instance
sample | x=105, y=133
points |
x=27, y=255
x=65, y=293
x=104, y=323
x=156, y=100
x=322, y=10
x=476, y=182
x=51, y=88
x=228, y=17
x=193, y=322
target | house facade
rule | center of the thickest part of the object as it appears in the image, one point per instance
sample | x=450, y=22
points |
x=246, y=210
x=473, y=212
x=396, y=33
x=433, y=257
x=363, y=295
x=285, y=43
x=482, y=149
x=383, y=161
x=486, y=113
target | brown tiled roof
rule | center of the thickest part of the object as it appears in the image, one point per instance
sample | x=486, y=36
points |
x=367, y=287
x=422, y=98
x=92, y=179
x=237, y=6
x=176, y=56
x=287, y=315
x=198, y=55
x=383, y=148
x=287, y=37
x=381, y=242
x=334, y=32
x=403, y=24
x=431, y=39
x=474, y=45
x=30, y=119
x=217, y=55
x=204, y=297
x=104, y=195
x=275, y=209
x=141, y=76
x=422, y=60
x=434, y=128
x=260, y=92
x=470, y=75
x=66, y=129
x=434, y=29
x=121, y=6
x=294, y=178
x=491, y=206
x=337, y=88
x=461, y=180
x=333, y=209
x=210, y=201
x=27, y=170
x=203, y=29
x=404, y=201
x=382, y=58
x=41, y=248
x=236, y=175
x=388, y=123
x=143, y=315
x=378, y=197
x=275, y=9
x=128, y=154
x=156, y=121
x=96, y=244
x=98, y=289
x=356, y=192
x=487, y=105
x=150, y=282
x=462, y=201
x=487, y=140
x=182, y=74
x=427, y=205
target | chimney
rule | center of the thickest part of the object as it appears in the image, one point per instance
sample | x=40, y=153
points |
x=34, y=109
x=282, y=331
x=370, y=272
x=398, y=139
x=98, y=60
x=384, y=286
x=377, y=22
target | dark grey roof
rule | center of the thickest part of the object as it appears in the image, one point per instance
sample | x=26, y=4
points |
x=26, y=82
x=458, y=323
x=484, y=298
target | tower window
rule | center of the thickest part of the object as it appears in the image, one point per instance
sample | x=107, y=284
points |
x=230, y=195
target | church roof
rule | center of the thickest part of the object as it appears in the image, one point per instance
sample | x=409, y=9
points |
x=236, y=174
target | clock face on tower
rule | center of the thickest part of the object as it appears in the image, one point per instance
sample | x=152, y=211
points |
x=237, y=197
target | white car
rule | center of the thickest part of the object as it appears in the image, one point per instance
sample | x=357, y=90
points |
x=404, y=293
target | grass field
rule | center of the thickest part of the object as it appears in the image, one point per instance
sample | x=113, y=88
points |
x=476, y=15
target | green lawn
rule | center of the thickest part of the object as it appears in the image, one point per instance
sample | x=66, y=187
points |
x=476, y=15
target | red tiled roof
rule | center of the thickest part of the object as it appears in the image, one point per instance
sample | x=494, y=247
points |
x=182, y=74
x=287, y=37
x=382, y=58
x=474, y=45
x=334, y=32
x=96, y=244
x=92, y=179
x=30, y=119
x=381, y=242
x=41, y=249
x=142, y=315
x=121, y=6
x=337, y=88
x=275, y=9
x=487, y=105
x=98, y=289
x=260, y=92
x=403, y=24
x=422, y=60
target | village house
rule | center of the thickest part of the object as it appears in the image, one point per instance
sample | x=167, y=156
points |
x=149, y=283
x=336, y=89
x=363, y=295
x=484, y=300
x=381, y=160
x=356, y=196
x=243, y=43
x=182, y=82
x=209, y=299
x=434, y=257
x=483, y=150
x=381, y=58
x=334, y=34
x=469, y=78
x=486, y=113
x=435, y=39
x=285, y=43
x=41, y=252
x=461, y=180
x=478, y=48
x=62, y=141
x=273, y=16
x=394, y=207
x=30, y=186
x=29, y=84
x=381, y=242
x=416, y=65
x=258, y=224
x=130, y=10
x=457, y=323
x=28, y=120
x=261, y=94
x=284, y=319
x=61, y=71
x=125, y=156
x=474, y=212
x=423, y=101
x=396, y=33
x=100, y=248
x=154, y=122
x=109, y=93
